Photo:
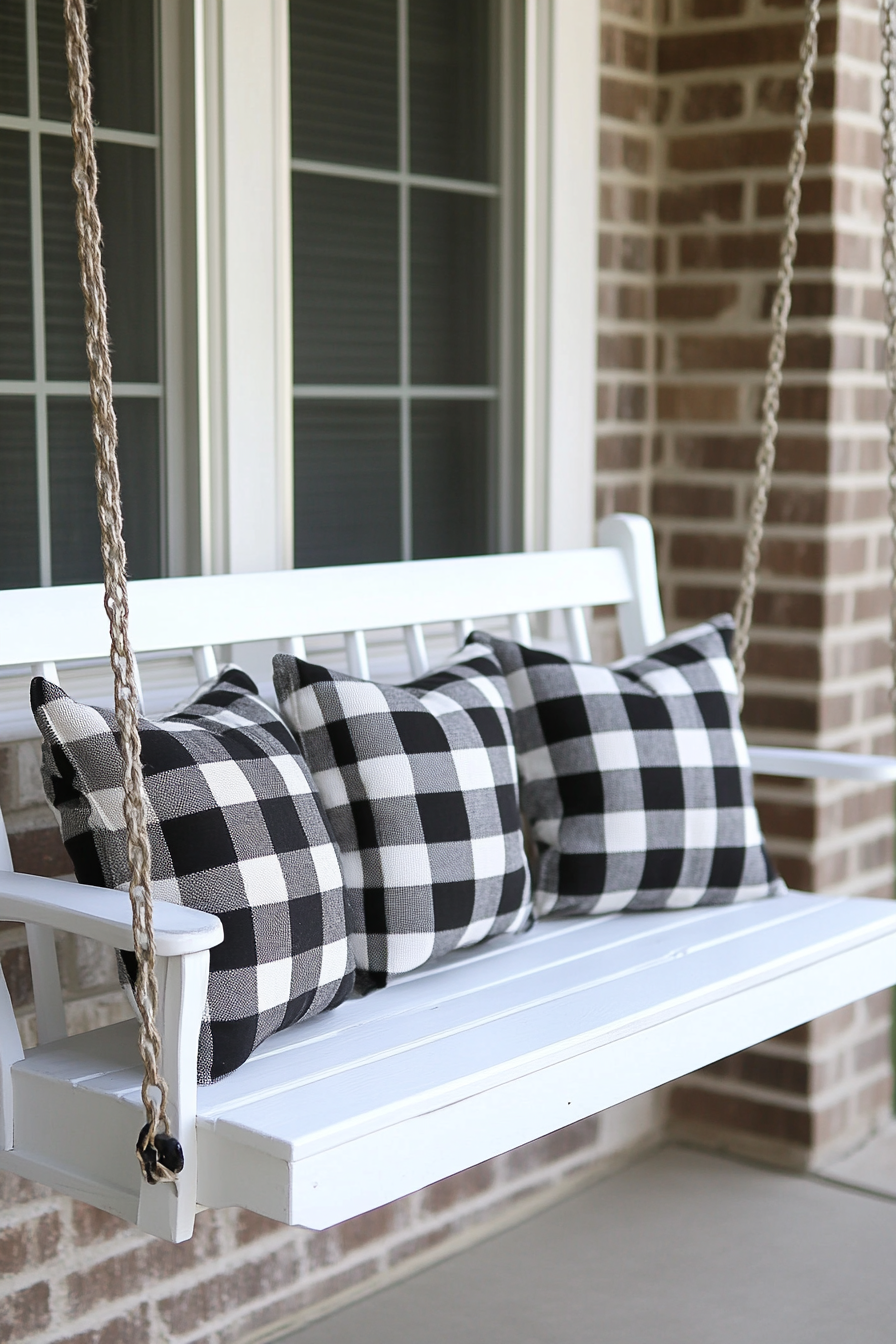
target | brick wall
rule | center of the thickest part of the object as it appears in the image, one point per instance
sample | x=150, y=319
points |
x=818, y=670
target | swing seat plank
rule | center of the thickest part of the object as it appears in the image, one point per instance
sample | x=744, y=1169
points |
x=488, y=1049
x=484, y=1051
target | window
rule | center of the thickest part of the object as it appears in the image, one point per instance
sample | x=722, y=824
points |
x=404, y=181
x=48, y=526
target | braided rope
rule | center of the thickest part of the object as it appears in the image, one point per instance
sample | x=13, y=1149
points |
x=888, y=139
x=108, y=487
x=771, y=400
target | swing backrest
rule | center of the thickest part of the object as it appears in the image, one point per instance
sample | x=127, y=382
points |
x=42, y=629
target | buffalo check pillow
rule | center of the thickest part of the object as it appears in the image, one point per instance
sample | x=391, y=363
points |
x=420, y=785
x=635, y=777
x=236, y=829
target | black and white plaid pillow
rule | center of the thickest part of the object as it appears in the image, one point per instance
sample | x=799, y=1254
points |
x=236, y=829
x=420, y=785
x=636, y=777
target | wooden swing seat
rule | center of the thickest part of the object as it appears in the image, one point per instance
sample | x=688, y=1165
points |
x=483, y=1051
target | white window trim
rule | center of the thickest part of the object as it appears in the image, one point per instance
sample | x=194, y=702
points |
x=561, y=272
x=244, y=279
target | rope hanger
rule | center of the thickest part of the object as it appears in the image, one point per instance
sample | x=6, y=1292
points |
x=765, y=457
x=159, y=1152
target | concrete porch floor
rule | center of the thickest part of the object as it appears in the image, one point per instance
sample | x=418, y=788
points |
x=683, y=1247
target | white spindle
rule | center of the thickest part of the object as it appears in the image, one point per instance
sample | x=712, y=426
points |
x=296, y=646
x=416, y=647
x=462, y=629
x=356, y=653
x=577, y=634
x=47, y=671
x=520, y=629
x=205, y=662
x=48, y=1006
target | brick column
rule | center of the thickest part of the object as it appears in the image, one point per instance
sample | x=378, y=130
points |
x=818, y=669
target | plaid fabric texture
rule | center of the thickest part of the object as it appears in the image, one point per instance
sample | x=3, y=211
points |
x=236, y=829
x=636, y=776
x=420, y=785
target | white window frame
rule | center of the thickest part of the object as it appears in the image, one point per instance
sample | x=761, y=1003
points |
x=244, y=281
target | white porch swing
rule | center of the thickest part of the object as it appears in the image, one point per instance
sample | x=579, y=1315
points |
x=483, y=1051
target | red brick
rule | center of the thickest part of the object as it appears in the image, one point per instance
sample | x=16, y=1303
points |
x=626, y=99
x=694, y=402
x=691, y=501
x=705, y=551
x=16, y=967
x=782, y=1075
x=25, y=1313
x=621, y=351
x=712, y=102
x=619, y=452
x=41, y=852
x=133, y=1328
x=780, y=712
x=724, y=150
x=738, y=1113
x=554, y=1147
x=709, y=201
x=91, y=1224
x=25, y=1245
x=716, y=9
x=726, y=48
x=816, y=198
x=456, y=1189
x=693, y=303
x=216, y=1297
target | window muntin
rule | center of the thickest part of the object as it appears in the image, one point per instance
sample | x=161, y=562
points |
x=397, y=213
x=48, y=527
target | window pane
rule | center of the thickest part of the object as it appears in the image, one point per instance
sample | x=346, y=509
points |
x=75, y=530
x=450, y=475
x=450, y=265
x=122, y=48
x=16, y=310
x=344, y=65
x=13, y=64
x=450, y=83
x=19, y=554
x=345, y=280
x=127, y=207
x=347, y=482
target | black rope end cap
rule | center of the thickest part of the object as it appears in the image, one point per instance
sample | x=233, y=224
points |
x=161, y=1160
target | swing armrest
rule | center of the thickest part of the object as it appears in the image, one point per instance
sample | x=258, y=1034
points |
x=800, y=763
x=97, y=912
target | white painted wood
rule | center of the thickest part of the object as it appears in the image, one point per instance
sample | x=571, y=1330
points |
x=520, y=629
x=800, y=763
x=47, y=670
x=68, y=624
x=577, y=634
x=10, y=1053
x=462, y=629
x=491, y=1047
x=296, y=646
x=572, y=274
x=255, y=282
x=183, y=991
x=5, y=852
x=415, y=644
x=96, y=912
x=640, y=621
x=205, y=662
x=49, y=1010
x=356, y=653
